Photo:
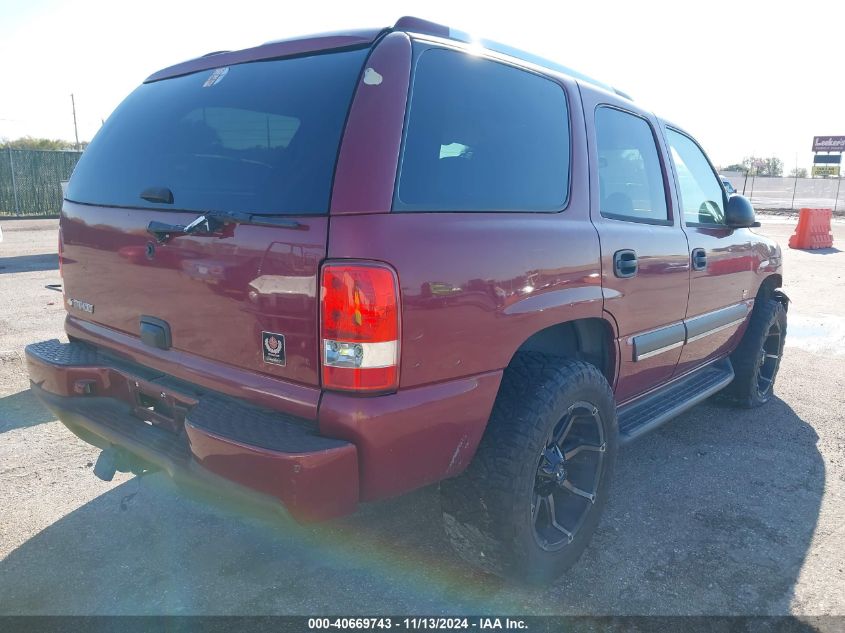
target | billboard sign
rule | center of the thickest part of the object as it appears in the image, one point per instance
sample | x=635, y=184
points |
x=829, y=143
x=827, y=159
x=826, y=170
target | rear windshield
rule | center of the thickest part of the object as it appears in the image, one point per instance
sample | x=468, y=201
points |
x=260, y=137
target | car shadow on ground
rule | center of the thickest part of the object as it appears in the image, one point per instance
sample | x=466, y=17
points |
x=29, y=263
x=711, y=514
x=21, y=410
x=822, y=251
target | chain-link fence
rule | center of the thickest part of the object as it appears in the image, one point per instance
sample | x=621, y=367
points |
x=30, y=180
x=790, y=193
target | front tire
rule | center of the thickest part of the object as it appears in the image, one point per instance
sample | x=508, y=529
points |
x=532, y=497
x=756, y=359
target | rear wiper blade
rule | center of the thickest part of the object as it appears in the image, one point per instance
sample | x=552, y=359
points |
x=163, y=231
x=236, y=217
x=161, y=195
x=211, y=222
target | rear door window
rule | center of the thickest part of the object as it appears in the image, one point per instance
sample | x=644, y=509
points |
x=630, y=174
x=483, y=136
x=260, y=137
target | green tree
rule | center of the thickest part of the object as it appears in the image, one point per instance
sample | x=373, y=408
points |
x=798, y=172
x=28, y=142
x=759, y=166
x=734, y=167
x=774, y=166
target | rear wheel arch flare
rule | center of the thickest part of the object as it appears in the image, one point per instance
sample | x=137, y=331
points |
x=589, y=340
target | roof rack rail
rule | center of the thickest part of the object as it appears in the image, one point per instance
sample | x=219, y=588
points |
x=426, y=27
x=215, y=53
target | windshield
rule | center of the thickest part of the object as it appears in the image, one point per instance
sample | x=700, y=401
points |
x=260, y=137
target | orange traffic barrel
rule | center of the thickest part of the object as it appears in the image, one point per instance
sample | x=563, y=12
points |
x=813, y=230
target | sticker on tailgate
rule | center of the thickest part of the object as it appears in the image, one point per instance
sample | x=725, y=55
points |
x=273, y=346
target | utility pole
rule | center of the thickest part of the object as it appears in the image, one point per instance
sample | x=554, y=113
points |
x=75, y=131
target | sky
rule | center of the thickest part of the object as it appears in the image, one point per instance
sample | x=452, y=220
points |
x=743, y=77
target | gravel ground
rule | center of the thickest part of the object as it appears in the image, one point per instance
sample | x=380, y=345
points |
x=719, y=512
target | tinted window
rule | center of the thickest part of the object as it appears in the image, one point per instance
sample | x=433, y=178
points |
x=630, y=175
x=260, y=137
x=702, y=198
x=483, y=136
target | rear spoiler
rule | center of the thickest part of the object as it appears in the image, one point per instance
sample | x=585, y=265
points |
x=271, y=50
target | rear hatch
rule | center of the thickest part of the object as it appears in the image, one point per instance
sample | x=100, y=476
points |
x=257, y=141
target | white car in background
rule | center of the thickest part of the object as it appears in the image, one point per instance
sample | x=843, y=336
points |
x=727, y=185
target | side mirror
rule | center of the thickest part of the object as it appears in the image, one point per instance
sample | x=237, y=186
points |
x=739, y=214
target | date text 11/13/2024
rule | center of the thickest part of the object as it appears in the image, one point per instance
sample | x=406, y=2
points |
x=418, y=623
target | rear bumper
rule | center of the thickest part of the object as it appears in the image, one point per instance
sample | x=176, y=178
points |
x=357, y=448
x=273, y=455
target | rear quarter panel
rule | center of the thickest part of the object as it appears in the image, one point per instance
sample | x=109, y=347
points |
x=474, y=287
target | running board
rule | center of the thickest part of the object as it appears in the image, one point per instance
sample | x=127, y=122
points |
x=650, y=411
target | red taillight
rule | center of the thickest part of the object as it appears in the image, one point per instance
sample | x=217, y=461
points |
x=359, y=327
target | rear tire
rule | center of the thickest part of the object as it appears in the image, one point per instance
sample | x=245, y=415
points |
x=756, y=359
x=497, y=514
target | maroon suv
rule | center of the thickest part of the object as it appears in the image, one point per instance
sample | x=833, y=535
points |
x=338, y=268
